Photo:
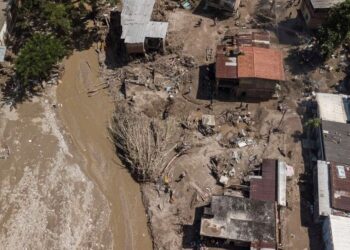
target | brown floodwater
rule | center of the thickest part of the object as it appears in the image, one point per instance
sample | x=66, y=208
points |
x=85, y=120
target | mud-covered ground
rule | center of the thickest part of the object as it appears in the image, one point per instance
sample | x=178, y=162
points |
x=62, y=186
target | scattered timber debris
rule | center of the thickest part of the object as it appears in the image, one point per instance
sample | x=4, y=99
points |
x=223, y=166
x=141, y=142
x=206, y=125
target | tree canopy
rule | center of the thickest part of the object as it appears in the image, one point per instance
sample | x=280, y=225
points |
x=37, y=57
x=336, y=29
x=45, y=30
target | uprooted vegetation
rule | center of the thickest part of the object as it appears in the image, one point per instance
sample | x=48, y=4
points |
x=142, y=142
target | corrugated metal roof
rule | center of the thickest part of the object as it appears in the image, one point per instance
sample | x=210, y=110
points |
x=336, y=142
x=324, y=205
x=324, y=4
x=333, y=107
x=340, y=186
x=136, y=24
x=282, y=183
x=264, y=189
x=225, y=66
x=340, y=231
x=264, y=63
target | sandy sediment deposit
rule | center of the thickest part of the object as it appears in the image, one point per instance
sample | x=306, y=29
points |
x=61, y=186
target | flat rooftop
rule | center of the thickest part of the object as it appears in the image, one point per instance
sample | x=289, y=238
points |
x=333, y=107
x=240, y=219
x=336, y=142
x=340, y=231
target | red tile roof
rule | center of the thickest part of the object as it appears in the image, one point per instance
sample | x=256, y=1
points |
x=264, y=63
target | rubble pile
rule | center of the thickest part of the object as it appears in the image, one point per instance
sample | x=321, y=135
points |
x=223, y=166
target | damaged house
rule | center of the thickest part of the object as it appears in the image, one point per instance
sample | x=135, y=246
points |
x=250, y=222
x=315, y=12
x=245, y=222
x=248, y=67
x=139, y=33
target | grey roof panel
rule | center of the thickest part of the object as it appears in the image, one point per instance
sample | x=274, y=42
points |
x=240, y=219
x=135, y=19
x=156, y=29
x=336, y=141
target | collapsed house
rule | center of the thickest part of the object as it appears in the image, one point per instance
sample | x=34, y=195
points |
x=250, y=222
x=246, y=66
x=228, y=7
x=246, y=222
x=139, y=33
x=332, y=172
x=315, y=12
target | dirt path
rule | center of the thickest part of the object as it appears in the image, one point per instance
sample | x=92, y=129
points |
x=61, y=187
x=86, y=119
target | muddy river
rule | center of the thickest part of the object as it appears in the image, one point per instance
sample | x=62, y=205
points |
x=61, y=186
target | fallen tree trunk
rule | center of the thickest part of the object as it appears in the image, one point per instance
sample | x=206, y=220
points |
x=141, y=142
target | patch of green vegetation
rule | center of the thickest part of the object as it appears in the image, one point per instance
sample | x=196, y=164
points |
x=37, y=57
x=45, y=31
x=336, y=29
x=313, y=123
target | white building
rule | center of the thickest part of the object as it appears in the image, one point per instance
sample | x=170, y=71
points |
x=333, y=107
x=336, y=233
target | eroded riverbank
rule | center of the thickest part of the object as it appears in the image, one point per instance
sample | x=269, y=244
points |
x=62, y=186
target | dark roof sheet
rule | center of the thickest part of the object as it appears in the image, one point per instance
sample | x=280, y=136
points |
x=264, y=189
x=336, y=141
x=340, y=186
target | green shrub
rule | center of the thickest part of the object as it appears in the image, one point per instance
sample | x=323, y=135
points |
x=336, y=29
x=37, y=57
